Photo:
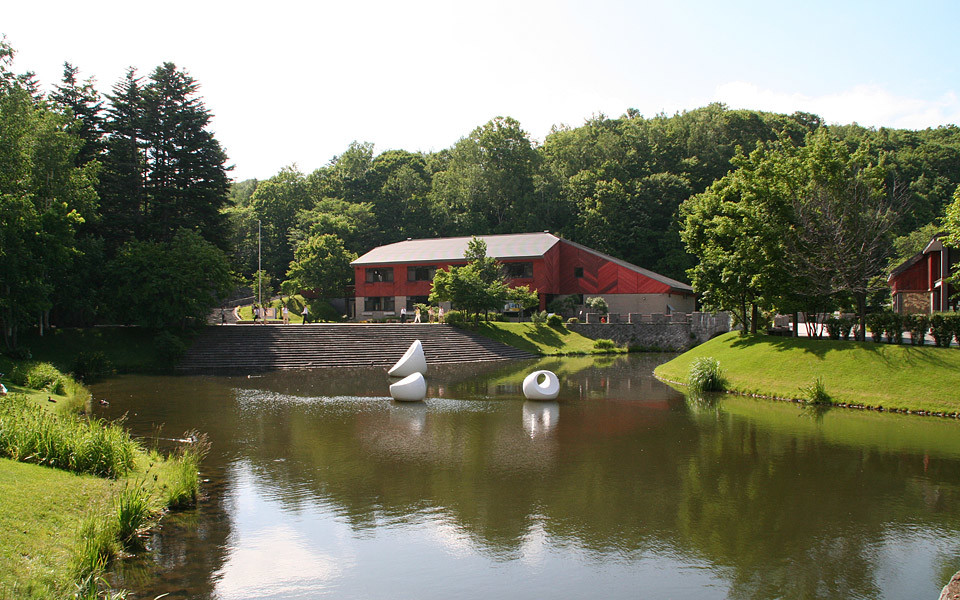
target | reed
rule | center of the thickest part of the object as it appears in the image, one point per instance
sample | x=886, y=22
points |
x=29, y=433
x=183, y=487
x=133, y=515
x=706, y=376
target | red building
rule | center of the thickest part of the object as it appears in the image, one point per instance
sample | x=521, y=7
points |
x=920, y=285
x=401, y=274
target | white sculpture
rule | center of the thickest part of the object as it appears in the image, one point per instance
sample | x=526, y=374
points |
x=411, y=388
x=536, y=389
x=412, y=361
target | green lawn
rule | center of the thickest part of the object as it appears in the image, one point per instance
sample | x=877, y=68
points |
x=916, y=378
x=40, y=518
x=542, y=340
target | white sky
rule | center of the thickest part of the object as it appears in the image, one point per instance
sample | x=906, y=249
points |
x=296, y=82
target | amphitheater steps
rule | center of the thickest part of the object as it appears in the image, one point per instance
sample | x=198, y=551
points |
x=251, y=348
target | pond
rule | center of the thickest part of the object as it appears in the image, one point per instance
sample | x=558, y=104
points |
x=321, y=486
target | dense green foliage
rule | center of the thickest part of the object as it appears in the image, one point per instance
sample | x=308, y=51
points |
x=705, y=376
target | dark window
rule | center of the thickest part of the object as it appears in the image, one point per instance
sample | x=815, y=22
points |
x=384, y=303
x=379, y=274
x=523, y=270
x=412, y=301
x=421, y=273
x=578, y=271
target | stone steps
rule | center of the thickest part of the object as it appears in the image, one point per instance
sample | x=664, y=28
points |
x=250, y=348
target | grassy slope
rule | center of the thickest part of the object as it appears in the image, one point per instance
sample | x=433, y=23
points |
x=40, y=516
x=542, y=340
x=919, y=378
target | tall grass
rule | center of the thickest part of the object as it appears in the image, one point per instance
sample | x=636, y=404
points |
x=96, y=547
x=29, y=433
x=133, y=514
x=706, y=376
x=184, y=481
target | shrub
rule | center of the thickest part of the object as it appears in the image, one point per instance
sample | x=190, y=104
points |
x=941, y=326
x=893, y=326
x=816, y=392
x=538, y=318
x=833, y=327
x=917, y=325
x=573, y=321
x=452, y=317
x=170, y=348
x=597, y=304
x=39, y=376
x=846, y=327
x=875, y=324
x=603, y=344
x=90, y=366
x=706, y=376
x=555, y=321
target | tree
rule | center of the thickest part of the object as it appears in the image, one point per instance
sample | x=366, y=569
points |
x=322, y=264
x=82, y=103
x=477, y=287
x=166, y=284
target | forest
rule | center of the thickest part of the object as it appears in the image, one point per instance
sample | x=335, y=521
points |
x=117, y=207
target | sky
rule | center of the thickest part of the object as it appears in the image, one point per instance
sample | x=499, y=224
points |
x=294, y=82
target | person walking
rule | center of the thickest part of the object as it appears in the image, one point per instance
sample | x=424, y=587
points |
x=286, y=315
x=256, y=314
x=440, y=315
x=416, y=315
x=305, y=313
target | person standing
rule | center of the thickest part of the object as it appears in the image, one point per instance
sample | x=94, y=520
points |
x=286, y=315
x=256, y=314
x=440, y=315
x=305, y=313
x=403, y=314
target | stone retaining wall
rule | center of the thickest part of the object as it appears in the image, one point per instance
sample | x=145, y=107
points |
x=674, y=333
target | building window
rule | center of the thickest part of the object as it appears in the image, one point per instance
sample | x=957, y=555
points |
x=522, y=270
x=378, y=303
x=578, y=272
x=412, y=301
x=378, y=274
x=421, y=273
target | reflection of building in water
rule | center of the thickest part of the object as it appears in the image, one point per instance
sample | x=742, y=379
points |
x=539, y=418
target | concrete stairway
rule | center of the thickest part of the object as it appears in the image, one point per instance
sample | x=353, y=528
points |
x=251, y=348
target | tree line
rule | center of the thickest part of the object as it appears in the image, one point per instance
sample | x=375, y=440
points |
x=104, y=193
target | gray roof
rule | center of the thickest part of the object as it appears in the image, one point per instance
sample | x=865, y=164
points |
x=502, y=247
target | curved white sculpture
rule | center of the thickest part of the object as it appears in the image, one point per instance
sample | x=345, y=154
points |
x=411, y=388
x=535, y=389
x=412, y=361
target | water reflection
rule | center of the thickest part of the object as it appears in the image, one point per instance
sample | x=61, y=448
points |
x=474, y=491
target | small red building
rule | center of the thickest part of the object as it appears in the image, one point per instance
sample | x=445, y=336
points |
x=401, y=274
x=920, y=285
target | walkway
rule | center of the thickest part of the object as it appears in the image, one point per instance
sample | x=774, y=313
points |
x=252, y=348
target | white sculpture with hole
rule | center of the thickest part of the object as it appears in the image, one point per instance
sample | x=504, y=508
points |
x=412, y=361
x=411, y=388
x=541, y=385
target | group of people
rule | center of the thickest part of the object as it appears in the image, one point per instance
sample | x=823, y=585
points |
x=431, y=315
x=260, y=314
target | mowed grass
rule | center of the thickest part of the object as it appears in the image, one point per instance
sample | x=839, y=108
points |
x=894, y=377
x=542, y=340
x=40, y=516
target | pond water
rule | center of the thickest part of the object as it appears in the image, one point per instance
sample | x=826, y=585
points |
x=321, y=486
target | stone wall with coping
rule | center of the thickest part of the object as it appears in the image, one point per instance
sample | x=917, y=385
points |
x=674, y=333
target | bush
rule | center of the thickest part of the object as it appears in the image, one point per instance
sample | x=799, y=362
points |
x=942, y=326
x=603, y=344
x=90, y=366
x=39, y=376
x=452, y=317
x=875, y=324
x=834, y=329
x=573, y=321
x=538, y=318
x=893, y=326
x=846, y=327
x=706, y=376
x=555, y=321
x=917, y=325
x=597, y=304
x=170, y=348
